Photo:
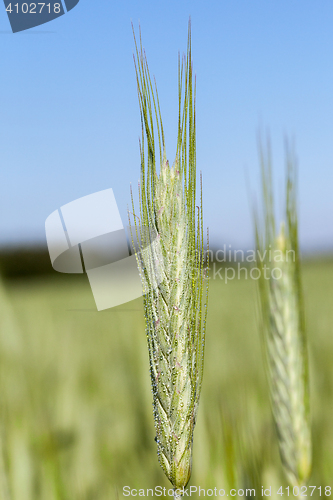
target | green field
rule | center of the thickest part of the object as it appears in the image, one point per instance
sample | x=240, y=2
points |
x=75, y=398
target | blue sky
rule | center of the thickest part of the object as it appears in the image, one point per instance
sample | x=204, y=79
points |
x=70, y=119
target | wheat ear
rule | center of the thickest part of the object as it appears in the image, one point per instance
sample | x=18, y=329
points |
x=171, y=263
x=282, y=314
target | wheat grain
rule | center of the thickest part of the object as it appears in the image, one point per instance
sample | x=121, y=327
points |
x=171, y=263
x=283, y=328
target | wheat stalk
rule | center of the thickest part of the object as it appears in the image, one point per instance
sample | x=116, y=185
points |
x=170, y=257
x=282, y=314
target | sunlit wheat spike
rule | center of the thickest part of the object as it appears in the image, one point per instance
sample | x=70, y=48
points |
x=170, y=257
x=283, y=326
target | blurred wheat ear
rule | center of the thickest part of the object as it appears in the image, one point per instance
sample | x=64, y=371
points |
x=282, y=323
x=170, y=256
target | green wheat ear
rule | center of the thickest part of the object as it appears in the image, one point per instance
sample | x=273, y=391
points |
x=171, y=262
x=282, y=321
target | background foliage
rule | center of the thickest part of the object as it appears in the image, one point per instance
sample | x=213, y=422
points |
x=75, y=400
